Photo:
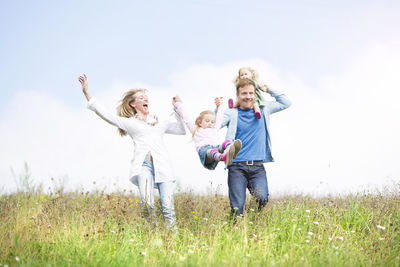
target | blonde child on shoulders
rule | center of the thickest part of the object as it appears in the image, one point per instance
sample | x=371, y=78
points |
x=205, y=135
x=259, y=101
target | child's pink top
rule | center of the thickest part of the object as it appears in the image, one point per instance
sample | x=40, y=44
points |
x=203, y=136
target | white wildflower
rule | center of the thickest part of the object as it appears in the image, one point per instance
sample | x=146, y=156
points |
x=352, y=231
x=308, y=211
x=302, y=258
x=340, y=238
x=250, y=222
x=310, y=233
x=381, y=227
x=206, y=219
x=254, y=235
x=286, y=256
x=251, y=209
x=112, y=231
x=307, y=241
x=247, y=255
x=381, y=238
x=158, y=242
x=330, y=238
x=131, y=240
x=316, y=223
x=16, y=258
x=190, y=251
x=143, y=253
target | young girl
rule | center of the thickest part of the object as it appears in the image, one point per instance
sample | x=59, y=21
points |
x=205, y=131
x=249, y=73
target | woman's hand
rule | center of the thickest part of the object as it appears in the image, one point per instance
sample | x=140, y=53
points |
x=84, y=81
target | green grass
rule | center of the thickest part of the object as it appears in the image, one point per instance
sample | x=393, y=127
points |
x=82, y=229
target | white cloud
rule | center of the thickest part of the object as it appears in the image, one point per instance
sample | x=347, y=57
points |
x=340, y=135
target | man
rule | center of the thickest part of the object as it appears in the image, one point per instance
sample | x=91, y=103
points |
x=247, y=169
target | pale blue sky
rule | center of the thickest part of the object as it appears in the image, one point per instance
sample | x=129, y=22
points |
x=45, y=44
x=338, y=61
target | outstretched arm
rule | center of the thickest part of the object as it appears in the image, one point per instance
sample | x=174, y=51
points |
x=125, y=124
x=84, y=81
x=180, y=110
x=219, y=112
x=281, y=102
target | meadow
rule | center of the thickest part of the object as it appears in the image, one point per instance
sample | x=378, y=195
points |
x=99, y=229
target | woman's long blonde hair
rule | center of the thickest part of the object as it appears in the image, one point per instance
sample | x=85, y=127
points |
x=253, y=72
x=200, y=118
x=125, y=109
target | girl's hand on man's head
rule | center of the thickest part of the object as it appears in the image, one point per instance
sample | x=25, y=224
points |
x=264, y=87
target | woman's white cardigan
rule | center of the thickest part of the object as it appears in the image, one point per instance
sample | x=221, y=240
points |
x=146, y=139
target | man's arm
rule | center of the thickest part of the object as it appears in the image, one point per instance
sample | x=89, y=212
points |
x=281, y=102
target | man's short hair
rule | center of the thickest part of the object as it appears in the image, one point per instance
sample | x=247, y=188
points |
x=244, y=82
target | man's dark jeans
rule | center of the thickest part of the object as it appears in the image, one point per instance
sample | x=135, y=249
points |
x=242, y=176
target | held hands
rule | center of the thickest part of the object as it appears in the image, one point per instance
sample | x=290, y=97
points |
x=218, y=101
x=176, y=99
x=84, y=81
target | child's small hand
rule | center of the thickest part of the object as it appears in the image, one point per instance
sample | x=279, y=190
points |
x=218, y=101
x=264, y=87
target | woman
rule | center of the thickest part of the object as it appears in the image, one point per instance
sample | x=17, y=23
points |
x=150, y=166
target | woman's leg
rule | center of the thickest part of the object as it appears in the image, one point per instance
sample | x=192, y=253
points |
x=166, y=190
x=146, y=190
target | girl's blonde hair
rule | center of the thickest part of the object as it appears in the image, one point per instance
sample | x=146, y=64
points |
x=253, y=72
x=200, y=118
x=125, y=109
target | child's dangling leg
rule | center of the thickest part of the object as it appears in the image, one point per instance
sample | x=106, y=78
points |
x=257, y=111
x=224, y=145
x=230, y=150
x=230, y=103
x=214, y=154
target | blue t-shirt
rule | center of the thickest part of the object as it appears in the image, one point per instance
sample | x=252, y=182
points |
x=252, y=132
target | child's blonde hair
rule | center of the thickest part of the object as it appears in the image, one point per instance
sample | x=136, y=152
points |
x=253, y=72
x=125, y=109
x=200, y=118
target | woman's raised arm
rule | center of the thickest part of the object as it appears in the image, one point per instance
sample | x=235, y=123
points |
x=84, y=81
